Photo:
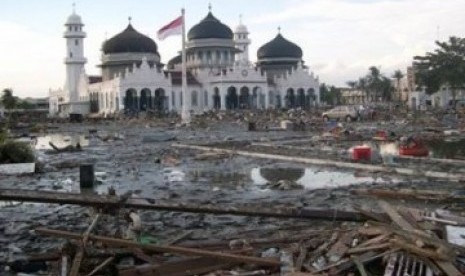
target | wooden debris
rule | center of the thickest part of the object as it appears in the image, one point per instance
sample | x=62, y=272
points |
x=163, y=249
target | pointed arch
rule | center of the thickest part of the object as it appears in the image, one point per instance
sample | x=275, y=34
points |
x=232, y=100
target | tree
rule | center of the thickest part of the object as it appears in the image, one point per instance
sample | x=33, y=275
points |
x=362, y=86
x=330, y=94
x=8, y=100
x=443, y=67
x=398, y=75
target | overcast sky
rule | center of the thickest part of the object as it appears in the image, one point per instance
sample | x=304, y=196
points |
x=340, y=38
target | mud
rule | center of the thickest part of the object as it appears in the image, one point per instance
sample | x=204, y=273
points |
x=153, y=169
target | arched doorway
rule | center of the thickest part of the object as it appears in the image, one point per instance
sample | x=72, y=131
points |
x=130, y=99
x=300, y=102
x=290, y=98
x=144, y=101
x=216, y=98
x=278, y=101
x=194, y=98
x=159, y=99
x=244, y=98
x=205, y=98
x=94, y=103
x=232, y=101
x=310, y=98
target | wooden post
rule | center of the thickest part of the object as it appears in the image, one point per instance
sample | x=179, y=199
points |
x=86, y=176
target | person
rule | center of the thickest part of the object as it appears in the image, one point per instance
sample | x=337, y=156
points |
x=135, y=225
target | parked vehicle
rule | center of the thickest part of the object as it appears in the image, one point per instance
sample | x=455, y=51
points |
x=343, y=112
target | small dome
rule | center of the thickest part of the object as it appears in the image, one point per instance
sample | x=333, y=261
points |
x=174, y=61
x=129, y=41
x=74, y=19
x=241, y=29
x=210, y=27
x=279, y=47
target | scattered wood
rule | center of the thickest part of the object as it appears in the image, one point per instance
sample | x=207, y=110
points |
x=162, y=249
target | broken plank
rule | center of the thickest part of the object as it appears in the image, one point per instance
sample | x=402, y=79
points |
x=358, y=250
x=448, y=268
x=110, y=202
x=188, y=267
x=395, y=216
x=101, y=266
x=417, y=250
x=162, y=248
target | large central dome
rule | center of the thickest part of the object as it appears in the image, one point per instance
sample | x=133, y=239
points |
x=210, y=27
x=129, y=41
x=279, y=47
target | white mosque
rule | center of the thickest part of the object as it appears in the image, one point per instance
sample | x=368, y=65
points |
x=219, y=73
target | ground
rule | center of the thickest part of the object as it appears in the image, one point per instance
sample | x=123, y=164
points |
x=136, y=161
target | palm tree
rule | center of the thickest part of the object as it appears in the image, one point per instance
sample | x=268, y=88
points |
x=374, y=81
x=8, y=100
x=363, y=86
x=398, y=75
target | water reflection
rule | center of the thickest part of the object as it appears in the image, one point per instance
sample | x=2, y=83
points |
x=61, y=141
x=310, y=178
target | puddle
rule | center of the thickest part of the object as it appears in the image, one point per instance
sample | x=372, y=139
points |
x=310, y=178
x=5, y=204
x=60, y=141
x=449, y=149
x=173, y=175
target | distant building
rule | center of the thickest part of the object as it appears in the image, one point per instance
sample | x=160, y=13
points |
x=220, y=74
x=419, y=100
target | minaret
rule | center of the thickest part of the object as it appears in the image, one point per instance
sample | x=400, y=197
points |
x=241, y=38
x=75, y=59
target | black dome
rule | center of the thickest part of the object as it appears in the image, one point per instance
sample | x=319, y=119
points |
x=279, y=47
x=210, y=27
x=129, y=41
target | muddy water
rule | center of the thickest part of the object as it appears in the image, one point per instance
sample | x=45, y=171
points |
x=60, y=140
x=450, y=149
x=311, y=178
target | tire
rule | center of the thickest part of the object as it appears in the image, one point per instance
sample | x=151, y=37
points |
x=348, y=119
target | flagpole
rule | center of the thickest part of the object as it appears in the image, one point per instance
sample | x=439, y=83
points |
x=185, y=113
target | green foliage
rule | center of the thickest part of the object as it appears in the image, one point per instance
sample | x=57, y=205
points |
x=8, y=100
x=330, y=94
x=16, y=152
x=444, y=66
x=374, y=85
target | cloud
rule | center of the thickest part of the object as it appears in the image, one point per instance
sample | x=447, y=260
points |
x=345, y=37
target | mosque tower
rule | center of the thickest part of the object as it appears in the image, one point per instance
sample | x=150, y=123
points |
x=242, y=41
x=75, y=59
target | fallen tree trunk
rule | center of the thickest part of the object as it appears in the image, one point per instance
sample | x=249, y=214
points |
x=112, y=202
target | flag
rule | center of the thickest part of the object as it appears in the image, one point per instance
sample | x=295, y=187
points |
x=172, y=28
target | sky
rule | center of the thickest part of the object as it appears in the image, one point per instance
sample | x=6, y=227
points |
x=340, y=39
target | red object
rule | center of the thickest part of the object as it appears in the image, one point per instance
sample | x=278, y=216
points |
x=361, y=153
x=414, y=148
x=420, y=151
x=172, y=28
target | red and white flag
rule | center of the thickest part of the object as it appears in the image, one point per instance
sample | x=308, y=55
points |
x=172, y=28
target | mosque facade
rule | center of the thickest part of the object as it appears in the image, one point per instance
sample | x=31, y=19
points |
x=220, y=75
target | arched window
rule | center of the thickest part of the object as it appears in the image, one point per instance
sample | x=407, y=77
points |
x=194, y=98
x=205, y=98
